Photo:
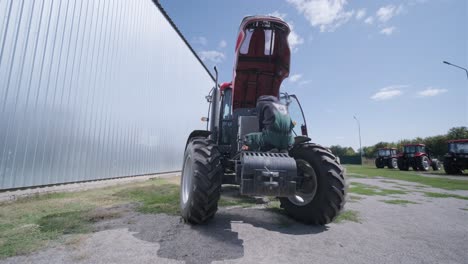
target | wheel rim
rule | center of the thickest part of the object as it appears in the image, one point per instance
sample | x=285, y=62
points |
x=425, y=163
x=394, y=163
x=186, y=180
x=308, y=189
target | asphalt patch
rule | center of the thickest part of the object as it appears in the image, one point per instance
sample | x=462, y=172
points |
x=213, y=241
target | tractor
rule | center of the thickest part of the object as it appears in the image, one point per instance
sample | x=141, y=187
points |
x=456, y=160
x=418, y=157
x=306, y=177
x=386, y=157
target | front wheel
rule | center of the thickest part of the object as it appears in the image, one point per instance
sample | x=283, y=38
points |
x=435, y=164
x=403, y=166
x=392, y=163
x=321, y=196
x=423, y=163
x=201, y=181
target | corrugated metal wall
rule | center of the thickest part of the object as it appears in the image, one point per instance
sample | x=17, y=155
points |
x=93, y=89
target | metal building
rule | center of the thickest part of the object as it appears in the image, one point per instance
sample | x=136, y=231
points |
x=94, y=89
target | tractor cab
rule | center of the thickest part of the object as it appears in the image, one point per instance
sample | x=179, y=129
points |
x=456, y=159
x=414, y=150
x=418, y=157
x=387, y=152
x=386, y=157
x=458, y=147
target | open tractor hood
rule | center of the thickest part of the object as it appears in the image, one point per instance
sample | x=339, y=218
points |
x=262, y=59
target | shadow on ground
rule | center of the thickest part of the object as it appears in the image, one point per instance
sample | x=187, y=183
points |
x=213, y=241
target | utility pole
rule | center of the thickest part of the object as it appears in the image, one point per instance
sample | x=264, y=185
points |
x=451, y=64
x=359, y=130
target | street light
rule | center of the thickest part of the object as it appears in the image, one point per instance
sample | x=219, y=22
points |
x=359, y=129
x=448, y=63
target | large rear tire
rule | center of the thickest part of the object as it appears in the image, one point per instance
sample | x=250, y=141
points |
x=321, y=166
x=402, y=165
x=450, y=168
x=201, y=181
x=379, y=163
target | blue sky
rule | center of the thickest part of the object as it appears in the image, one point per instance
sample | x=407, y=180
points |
x=378, y=60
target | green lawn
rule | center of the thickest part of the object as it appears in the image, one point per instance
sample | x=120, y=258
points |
x=30, y=223
x=365, y=189
x=442, y=183
x=399, y=201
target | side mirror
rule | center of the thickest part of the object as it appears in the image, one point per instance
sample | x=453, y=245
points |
x=304, y=130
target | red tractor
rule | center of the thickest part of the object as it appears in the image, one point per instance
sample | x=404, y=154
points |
x=456, y=160
x=417, y=157
x=386, y=157
x=306, y=177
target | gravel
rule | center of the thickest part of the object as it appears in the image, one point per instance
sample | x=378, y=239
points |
x=434, y=230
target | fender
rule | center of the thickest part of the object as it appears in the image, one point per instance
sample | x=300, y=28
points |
x=198, y=133
x=301, y=139
x=418, y=154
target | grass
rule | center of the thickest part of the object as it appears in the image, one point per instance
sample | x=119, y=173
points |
x=359, y=176
x=231, y=197
x=365, y=189
x=348, y=215
x=163, y=198
x=397, y=201
x=445, y=195
x=30, y=223
x=442, y=183
x=241, y=201
x=354, y=198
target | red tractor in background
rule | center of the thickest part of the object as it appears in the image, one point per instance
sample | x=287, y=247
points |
x=417, y=157
x=386, y=157
x=306, y=177
x=456, y=160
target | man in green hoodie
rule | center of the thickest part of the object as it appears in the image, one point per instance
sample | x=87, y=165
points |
x=275, y=125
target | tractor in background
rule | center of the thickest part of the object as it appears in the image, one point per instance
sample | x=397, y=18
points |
x=456, y=159
x=417, y=157
x=306, y=177
x=386, y=157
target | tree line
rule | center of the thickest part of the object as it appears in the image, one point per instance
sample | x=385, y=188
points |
x=436, y=144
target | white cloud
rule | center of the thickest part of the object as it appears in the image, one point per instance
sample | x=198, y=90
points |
x=324, y=14
x=211, y=56
x=385, y=13
x=369, y=20
x=388, y=31
x=200, y=40
x=293, y=39
x=301, y=83
x=278, y=14
x=429, y=91
x=388, y=92
x=222, y=44
x=295, y=77
x=360, y=14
